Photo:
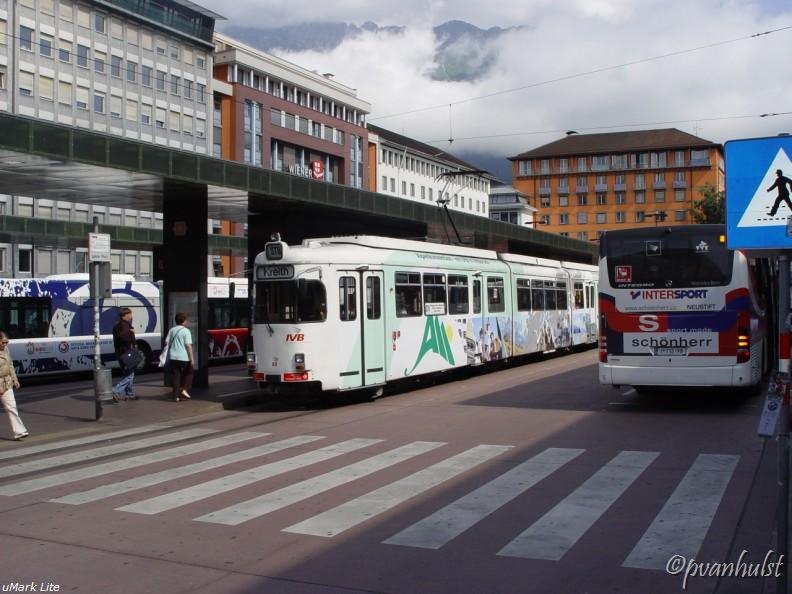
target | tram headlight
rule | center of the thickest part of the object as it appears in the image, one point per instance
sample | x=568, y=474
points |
x=299, y=362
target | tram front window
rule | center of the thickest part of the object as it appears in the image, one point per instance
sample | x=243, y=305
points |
x=290, y=301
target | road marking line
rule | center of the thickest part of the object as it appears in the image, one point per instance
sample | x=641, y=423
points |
x=682, y=524
x=443, y=526
x=60, y=445
x=552, y=535
x=224, y=484
x=102, y=452
x=77, y=474
x=259, y=506
x=356, y=511
x=149, y=480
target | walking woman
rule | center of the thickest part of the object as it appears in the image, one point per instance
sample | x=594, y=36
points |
x=181, y=357
x=9, y=381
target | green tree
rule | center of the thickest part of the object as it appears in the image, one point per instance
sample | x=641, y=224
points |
x=712, y=206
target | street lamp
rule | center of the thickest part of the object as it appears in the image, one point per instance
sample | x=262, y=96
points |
x=659, y=215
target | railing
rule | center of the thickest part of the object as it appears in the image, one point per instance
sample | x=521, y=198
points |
x=680, y=184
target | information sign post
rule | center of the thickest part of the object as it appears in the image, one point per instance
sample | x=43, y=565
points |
x=101, y=288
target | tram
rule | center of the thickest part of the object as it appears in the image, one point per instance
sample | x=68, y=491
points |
x=345, y=313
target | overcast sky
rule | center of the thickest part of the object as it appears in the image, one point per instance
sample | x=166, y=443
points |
x=708, y=92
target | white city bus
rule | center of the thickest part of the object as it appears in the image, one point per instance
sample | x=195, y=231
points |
x=351, y=312
x=677, y=308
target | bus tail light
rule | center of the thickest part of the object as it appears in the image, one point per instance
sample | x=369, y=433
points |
x=743, y=337
x=299, y=362
x=603, y=341
x=295, y=377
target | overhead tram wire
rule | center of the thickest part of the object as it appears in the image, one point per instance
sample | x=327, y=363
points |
x=587, y=73
x=612, y=126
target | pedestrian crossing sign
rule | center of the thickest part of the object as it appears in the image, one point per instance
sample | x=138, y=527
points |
x=758, y=187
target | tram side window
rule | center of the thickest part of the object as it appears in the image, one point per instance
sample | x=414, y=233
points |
x=550, y=295
x=561, y=295
x=458, y=298
x=434, y=292
x=495, y=298
x=408, y=294
x=523, y=294
x=373, y=298
x=579, y=296
x=476, y=296
x=25, y=318
x=347, y=297
x=537, y=295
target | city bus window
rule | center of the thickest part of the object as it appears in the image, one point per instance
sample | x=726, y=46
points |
x=408, y=294
x=25, y=318
x=477, y=296
x=347, y=296
x=495, y=297
x=458, y=299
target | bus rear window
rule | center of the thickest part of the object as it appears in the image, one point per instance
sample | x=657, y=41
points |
x=675, y=259
x=290, y=301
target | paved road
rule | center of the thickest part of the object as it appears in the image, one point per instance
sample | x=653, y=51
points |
x=529, y=479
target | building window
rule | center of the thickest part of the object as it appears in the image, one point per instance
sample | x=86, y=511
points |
x=115, y=66
x=563, y=165
x=524, y=167
x=188, y=89
x=82, y=56
x=582, y=236
x=100, y=22
x=145, y=114
x=640, y=216
x=602, y=218
x=145, y=76
x=64, y=92
x=582, y=199
x=680, y=215
x=563, y=201
x=160, y=80
x=621, y=198
x=26, y=38
x=582, y=218
x=174, y=85
x=679, y=195
x=201, y=93
x=131, y=110
x=602, y=198
x=25, y=260
x=81, y=97
x=640, y=197
x=99, y=102
x=26, y=83
x=46, y=88
x=64, y=51
x=99, y=61
x=620, y=216
x=563, y=219
x=659, y=195
x=545, y=201
x=174, y=52
x=45, y=46
x=160, y=115
x=116, y=104
x=131, y=71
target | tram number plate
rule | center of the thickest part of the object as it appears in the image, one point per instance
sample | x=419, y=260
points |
x=670, y=351
x=281, y=271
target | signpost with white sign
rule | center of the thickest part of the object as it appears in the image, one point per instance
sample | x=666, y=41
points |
x=101, y=285
x=759, y=217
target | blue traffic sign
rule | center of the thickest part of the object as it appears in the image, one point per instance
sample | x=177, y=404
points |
x=758, y=188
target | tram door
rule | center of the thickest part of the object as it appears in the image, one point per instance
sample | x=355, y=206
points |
x=372, y=321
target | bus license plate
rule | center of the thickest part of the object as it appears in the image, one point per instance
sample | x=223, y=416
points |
x=670, y=351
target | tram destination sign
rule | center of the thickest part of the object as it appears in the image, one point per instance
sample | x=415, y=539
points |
x=278, y=271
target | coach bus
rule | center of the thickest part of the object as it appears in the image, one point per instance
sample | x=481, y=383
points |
x=348, y=313
x=50, y=322
x=677, y=308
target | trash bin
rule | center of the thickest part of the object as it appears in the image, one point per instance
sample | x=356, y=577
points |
x=103, y=384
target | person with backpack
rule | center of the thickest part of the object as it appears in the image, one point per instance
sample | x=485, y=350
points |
x=123, y=343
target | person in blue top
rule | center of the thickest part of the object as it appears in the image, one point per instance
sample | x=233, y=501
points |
x=181, y=357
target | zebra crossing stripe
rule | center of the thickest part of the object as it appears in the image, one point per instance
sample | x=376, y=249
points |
x=682, y=524
x=443, y=526
x=101, y=452
x=552, y=535
x=224, y=484
x=356, y=511
x=77, y=474
x=156, y=478
x=259, y=506
x=62, y=445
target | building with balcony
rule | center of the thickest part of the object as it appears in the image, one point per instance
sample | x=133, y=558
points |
x=403, y=167
x=585, y=184
x=275, y=114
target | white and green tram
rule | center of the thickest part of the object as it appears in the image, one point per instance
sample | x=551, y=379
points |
x=346, y=313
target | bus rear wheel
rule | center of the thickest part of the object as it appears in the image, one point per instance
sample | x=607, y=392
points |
x=145, y=360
